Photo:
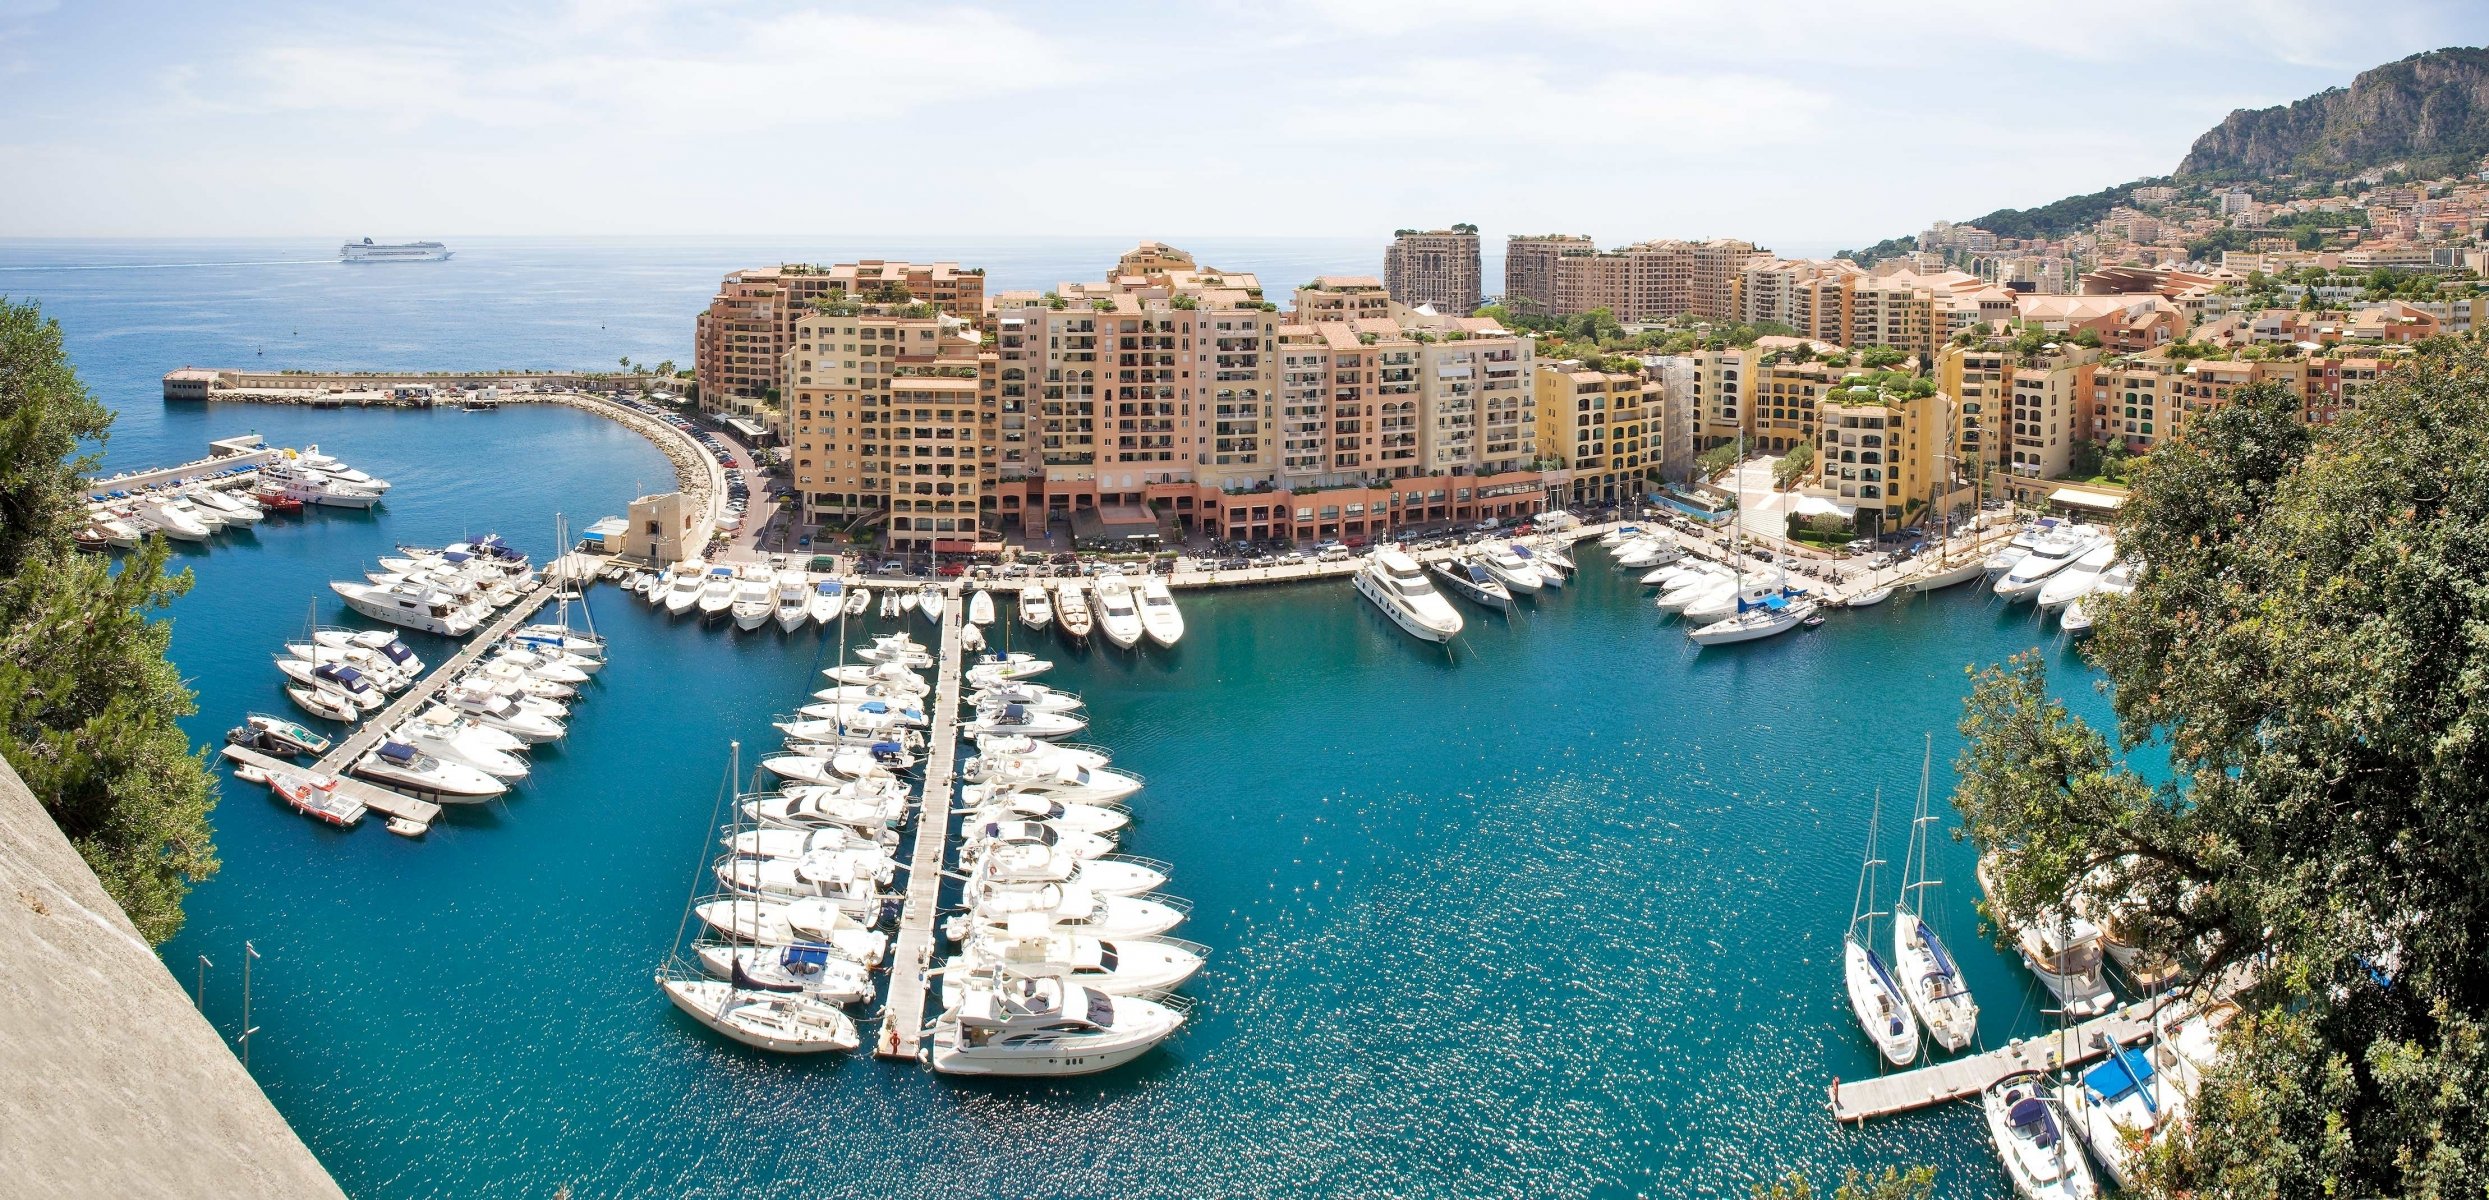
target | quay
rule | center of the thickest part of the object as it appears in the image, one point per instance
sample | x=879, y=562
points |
x=903, y=1013
x=1966, y=1078
x=372, y=796
x=247, y=450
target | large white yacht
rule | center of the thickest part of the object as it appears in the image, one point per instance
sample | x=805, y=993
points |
x=717, y=593
x=411, y=606
x=402, y=768
x=1117, y=615
x=1159, y=616
x=1767, y=617
x=2048, y=555
x=1071, y=611
x=782, y=922
x=1516, y=574
x=687, y=579
x=369, y=251
x=1394, y=583
x=1030, y=946
x=1023, y=1026
x=1036, y=611
x=2078, y=579
x=1071, y=906
x=753, y=598
x=2064, y=951
x=290, y=478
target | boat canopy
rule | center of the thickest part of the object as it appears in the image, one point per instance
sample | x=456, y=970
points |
x=828, y=587
x=397, y=752
x=397, y=652
x=2029, y=1114
x=2125, y=1072
x=805, y=958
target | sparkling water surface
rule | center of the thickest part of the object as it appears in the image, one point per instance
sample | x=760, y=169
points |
x=1555, y=914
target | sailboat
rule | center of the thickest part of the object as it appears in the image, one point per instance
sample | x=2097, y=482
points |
x=1764, y=616
x=1878, y=1001
x=1945, y=572
x=1929, y=976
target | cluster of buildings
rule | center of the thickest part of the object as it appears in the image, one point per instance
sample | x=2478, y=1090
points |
x=1172, y=398
x=1166, y=397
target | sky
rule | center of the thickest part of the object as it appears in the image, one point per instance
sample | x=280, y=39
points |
x=1807, y=123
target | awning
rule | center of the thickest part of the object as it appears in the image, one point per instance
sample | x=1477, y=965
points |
x=2091, y=500
x=753, y=430
x=1818, y=506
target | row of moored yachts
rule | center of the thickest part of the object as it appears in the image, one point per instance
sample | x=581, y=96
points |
x=1493, y=575
x=1718, y=604
x=1061, y=964
x=2062, y=568
x=195, y=508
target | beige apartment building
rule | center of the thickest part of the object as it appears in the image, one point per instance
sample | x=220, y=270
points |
x=1885, y=456
x=1530, y=269
x=1436, y=268
x=1807, y=295
x=740, y=341
x=893, y=409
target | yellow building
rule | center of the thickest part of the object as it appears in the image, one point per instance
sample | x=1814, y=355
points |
x=892, y=409
x=1883, y=454
x=1591, y=424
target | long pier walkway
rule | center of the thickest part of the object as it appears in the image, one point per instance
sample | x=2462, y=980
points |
x=378, y=799
x=1965, y=1078
x=903, y=1014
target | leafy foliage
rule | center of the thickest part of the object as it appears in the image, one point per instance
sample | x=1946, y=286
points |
x=2309, y=646
x=1918, y=1183
x=88, y=702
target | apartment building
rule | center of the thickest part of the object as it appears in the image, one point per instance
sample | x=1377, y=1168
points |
x=1530, y=269
x=1883, y=455
x=1765, y=393
x=1341, y=298
x=1436, y=268
x=1807, y=295
x=2142, y=401
x=2048, y=397
x=892, y=409
x=740, y=341
x=1591, y=422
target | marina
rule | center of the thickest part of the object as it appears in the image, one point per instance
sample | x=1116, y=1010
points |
x=1965, y=1078
x=1677, y=804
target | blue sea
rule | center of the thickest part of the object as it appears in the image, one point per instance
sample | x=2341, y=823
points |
x=1556, y=914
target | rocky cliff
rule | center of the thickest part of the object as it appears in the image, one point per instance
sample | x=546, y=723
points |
x=2429, y=110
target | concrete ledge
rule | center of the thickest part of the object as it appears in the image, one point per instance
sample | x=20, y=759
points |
x=111, y=1083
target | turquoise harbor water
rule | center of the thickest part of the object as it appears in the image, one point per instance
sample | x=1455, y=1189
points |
x=1555, y=915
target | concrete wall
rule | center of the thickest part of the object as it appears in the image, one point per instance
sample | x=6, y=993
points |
x=111, y=1084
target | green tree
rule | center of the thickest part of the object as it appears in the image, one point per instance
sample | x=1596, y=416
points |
x=88, y=703
x=2307, y=650
x=1793, y=465
x=1717, y=459
x=1918, y=1183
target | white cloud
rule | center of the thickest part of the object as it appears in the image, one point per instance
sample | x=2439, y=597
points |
x=1518, y=102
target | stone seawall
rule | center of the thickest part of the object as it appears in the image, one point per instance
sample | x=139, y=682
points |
x=112, y=1083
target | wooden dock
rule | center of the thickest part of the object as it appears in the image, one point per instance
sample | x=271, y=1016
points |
x=1964, y=1078
x=378, y=799
x=903, y=1014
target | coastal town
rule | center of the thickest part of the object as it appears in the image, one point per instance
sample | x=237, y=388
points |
x=1129, y=689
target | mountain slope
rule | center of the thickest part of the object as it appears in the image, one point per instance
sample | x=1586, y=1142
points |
x=2430, y=110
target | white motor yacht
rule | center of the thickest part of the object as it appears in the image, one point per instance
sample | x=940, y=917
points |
x=755, y=597
x=794, y=601
x=897, y=648
x=717, y=593
x=509, y=679
x=503, y=713
x=1722, y=603
x=825, y=603
x=1036, y=612
x=983, y=836
x=451, y=738
x=1069, y=814
x=1007, y=1025
x=981, y=607
x=2141, y=1094
x=337, y=679
x=1550, y=574
x=1118, y=616
x=2078, y=578
x=2026, y=1125
x=929, y=600
x=2048, y=556
x=326, y=704
x=296, y=481
x=990, y=669
x=375, y=667
x=784, y=922
x=402, y=768
x=411, y=606
x=853, y=878
x=2118, y=580
x=891, y=675
x=858, y=600
x=1071, y=611
x=1472, y=581
x=381, y=640
x=682, y=591
x=1031, y=695
x=1019, y=719
x=1075, y=907
x=1003, y=746
x=233, y=509
x=819, y=839
x=172, y=520
x=2065, y=952
x=1510, y=569
x=333, y=468
x=842, y=765
x=1031, y=946
x=784, y=1022
x=856, y=804
x=1160, y=618
x=1393, y=582
x=544, y=662
x=1643, y=553
x=1058, y=779
x=810, y=969
x=1030, y=862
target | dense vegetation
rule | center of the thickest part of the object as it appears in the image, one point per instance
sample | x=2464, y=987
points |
x=88, y=703
x=2070, y=215
x=2310, y=649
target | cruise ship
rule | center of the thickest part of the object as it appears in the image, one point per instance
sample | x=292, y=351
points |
x=369, y=251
